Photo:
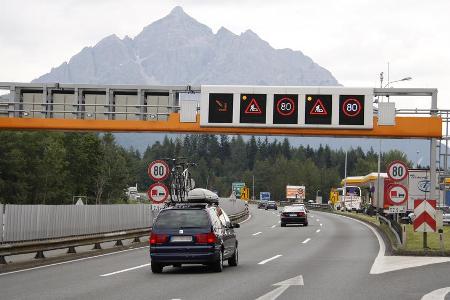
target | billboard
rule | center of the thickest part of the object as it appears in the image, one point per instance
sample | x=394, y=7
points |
x=295, y=192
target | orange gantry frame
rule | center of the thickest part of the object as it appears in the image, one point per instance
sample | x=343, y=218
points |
x=406, y=127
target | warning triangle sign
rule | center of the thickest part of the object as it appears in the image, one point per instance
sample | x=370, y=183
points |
x=253, y=108
x=318, y=109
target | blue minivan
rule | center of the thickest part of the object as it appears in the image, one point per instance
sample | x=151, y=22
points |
x=193, y=233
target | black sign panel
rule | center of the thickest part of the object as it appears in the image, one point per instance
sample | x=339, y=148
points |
x=351, y=110
x=253, y=108
x=220, y=108
x=285, y=109
x=318, y=109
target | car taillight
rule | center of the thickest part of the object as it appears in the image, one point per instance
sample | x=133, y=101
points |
x=158, y=238
x=300, y=214
x=205, y=238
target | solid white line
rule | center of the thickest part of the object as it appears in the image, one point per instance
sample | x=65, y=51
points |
x=437, y=294
x=305, y=241
x=318, y=230
x=273, y=226
x=269, y=259
x=125, y=270
x=71, y=261
x=249, y=217
x=257, y=233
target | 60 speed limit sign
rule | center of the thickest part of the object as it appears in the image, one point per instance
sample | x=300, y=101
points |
x=158, y=170
x=397, y=170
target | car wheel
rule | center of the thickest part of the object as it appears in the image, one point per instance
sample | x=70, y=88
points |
x=234, y=260
x=276, y=208
x=218, y=265
x=306, y=224
x=283, y=225
x=177, y=265
x=156, y=268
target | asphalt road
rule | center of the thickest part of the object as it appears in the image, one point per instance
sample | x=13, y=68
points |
x=329, y=259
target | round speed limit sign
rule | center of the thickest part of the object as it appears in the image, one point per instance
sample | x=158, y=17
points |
x=285, y=106
x=158, y=170
x=397, y=170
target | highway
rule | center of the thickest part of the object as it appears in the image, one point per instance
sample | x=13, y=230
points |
x=329, y=259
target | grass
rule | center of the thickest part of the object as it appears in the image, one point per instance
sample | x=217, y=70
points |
x=414, y=240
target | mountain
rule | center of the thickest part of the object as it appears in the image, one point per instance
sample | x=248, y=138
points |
x=179, y=50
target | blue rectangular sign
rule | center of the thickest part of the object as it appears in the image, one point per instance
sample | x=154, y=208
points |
x=264, y=196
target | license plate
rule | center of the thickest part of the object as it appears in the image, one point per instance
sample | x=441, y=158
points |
x=293, y=215
x=182, y=238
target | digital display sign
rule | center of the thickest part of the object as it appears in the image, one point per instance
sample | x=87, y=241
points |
x=318, y=109
x=351, y=109
x=220, y=108
x=253, y=108
x=285, y=109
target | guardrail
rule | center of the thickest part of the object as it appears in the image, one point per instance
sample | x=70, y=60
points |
x=318, y=206
x=70, y=243
x=395, y=228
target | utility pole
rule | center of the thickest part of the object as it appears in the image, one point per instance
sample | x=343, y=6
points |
x=253, y=193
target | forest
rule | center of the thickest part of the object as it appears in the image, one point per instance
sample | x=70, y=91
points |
x=53, y=167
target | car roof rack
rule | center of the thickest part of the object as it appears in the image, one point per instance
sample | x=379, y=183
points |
x=191, y=205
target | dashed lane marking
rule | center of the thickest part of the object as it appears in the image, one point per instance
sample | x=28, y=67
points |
x=269, y=259
x=125, y=270
x=256, y=233
x=318, y=230
x=305, y=241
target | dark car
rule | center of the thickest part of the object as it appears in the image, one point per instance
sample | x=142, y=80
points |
x=294, y=214
x=271, y=205
x=193, y=234
x=262, y=204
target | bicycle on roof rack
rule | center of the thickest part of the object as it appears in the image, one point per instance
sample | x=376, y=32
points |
x=180, y=179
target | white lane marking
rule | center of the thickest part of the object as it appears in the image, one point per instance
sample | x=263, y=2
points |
x=269, y=259
x=317, y=220
x=283, y=285
x=72, y=261
x=249, y=217
x=384, y=264
x=318, y=230
x=437, y=294
x=305, y=241
x=125, y=270
x=256, y=233
x=274, y=294
x=279, y=221
x=320, y=224
x=273, y=226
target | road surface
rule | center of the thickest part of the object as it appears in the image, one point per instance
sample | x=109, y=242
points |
x=329, y=259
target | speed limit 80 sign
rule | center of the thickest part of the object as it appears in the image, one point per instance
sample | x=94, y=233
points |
x=158, y=170
x=397, y=170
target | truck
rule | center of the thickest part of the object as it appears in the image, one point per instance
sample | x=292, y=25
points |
x=350, y=198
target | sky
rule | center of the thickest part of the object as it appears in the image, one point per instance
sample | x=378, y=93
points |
x=354, y=39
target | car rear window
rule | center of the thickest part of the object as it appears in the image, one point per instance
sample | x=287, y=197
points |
x=176, y=218
x=294, y=208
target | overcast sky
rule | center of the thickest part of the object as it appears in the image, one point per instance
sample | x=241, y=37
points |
x=354, y=39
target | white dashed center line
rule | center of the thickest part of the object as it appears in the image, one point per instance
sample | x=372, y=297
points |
x=125, y=270
x=273, y=226
x=318, y=230
x=305, y=241
x=317, y=220
x=269, y=259
x=257, y=233
x=320, y=224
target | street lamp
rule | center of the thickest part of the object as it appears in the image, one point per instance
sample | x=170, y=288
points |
x=403, y=79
